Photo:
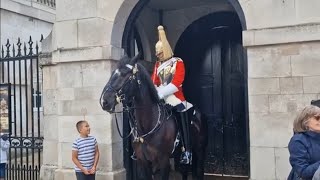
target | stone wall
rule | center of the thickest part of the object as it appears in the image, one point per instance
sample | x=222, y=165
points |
x=24, y=18
x=78, y=64
x=279, y=85
x=282, y=50
x=261, y=14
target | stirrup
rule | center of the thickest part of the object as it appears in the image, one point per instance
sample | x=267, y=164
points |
x=186, y=158
x=133, y=156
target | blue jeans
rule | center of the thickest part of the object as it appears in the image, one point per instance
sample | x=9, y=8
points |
x=2, y=170
x=82, y=176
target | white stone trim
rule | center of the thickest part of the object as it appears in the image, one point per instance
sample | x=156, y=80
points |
x=282, y=35
x=86, y=54
x=35, y=10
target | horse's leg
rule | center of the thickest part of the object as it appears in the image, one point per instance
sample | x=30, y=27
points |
x=184, y=176
x=194, y=164
x=164, y=168
x=199, y=167
x=184, y=171
x=180, y=168
x=163, y=165
x=142, y=171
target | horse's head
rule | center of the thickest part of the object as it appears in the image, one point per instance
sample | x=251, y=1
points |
x=121, y=84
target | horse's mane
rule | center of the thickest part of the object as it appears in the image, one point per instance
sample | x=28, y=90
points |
x=146, y=79
x=147, y=86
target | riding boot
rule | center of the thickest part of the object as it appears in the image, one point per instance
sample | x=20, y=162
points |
x=186, y=156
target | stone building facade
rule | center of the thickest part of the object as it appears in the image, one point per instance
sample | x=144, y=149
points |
x=25, y=18
x=281, y=41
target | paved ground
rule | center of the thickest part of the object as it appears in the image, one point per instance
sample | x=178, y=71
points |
x=224, y=178
x=177, y=176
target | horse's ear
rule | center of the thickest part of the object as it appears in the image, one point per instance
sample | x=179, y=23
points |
x=135, y=59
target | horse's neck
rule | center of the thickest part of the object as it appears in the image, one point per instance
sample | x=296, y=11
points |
x=146, y=113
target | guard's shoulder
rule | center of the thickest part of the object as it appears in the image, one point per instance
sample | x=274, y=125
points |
x=178, y=59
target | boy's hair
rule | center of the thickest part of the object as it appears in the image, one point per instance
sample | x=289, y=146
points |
x=79, y=124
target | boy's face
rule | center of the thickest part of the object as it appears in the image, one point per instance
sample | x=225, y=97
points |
x=85, y=128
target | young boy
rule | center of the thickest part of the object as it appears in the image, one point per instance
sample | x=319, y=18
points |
x=4, y=146
x=85, y=153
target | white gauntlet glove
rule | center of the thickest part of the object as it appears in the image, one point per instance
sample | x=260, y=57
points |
x=164, y=91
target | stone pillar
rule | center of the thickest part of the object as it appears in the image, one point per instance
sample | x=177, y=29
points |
x=283, y=78
x=78, y=64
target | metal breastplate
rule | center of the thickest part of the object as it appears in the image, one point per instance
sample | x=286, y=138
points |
x=167, y=73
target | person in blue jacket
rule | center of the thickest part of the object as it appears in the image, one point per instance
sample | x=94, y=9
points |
x=304, y=146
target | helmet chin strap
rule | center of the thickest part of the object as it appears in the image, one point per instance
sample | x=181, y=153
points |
x=164, y=59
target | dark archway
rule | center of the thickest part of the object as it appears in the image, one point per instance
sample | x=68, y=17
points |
x=216, y=81
x=126, y=37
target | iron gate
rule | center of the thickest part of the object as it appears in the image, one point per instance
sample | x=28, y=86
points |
x=22, y=76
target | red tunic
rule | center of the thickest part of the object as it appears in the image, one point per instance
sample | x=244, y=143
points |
x=177, y=79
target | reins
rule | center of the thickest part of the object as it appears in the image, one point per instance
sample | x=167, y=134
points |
x=134, y=123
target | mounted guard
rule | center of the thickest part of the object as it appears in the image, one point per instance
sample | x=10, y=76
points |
x=153, y=128
x=168, y=76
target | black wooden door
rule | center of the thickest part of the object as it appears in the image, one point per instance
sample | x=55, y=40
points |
x=234, y=126
x=211, y=106
x=222, y=102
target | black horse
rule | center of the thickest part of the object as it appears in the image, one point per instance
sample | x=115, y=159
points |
x=153, y=126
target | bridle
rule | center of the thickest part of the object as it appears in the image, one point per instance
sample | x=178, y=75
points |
x=127, y=107
x=120, y=96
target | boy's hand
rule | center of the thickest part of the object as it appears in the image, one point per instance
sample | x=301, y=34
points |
x=85, y=171
x=92, y=170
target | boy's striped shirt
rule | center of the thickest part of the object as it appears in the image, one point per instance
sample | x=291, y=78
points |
x=86, y=148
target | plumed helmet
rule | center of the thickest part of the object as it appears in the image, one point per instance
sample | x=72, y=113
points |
x=163, y=46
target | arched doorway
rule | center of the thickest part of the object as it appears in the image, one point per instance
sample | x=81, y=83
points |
x=211, y=48
x=209, y=40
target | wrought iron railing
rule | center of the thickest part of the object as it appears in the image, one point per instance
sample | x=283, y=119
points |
x=50, y=3
x=20, y=89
